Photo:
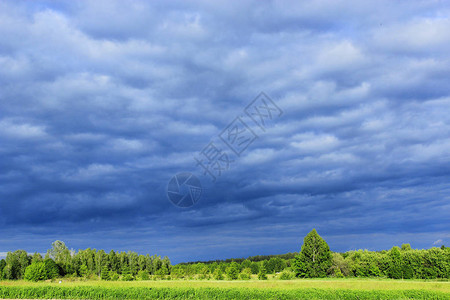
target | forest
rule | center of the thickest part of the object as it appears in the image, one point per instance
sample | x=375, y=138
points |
x=314, y=260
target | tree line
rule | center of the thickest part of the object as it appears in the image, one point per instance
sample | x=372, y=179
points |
x=315, y=259
x=256, y=258
x=89, y=263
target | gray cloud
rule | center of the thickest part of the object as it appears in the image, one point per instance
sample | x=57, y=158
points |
x=102, y=102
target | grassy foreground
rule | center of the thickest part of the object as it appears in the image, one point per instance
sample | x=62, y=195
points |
x=253, y=289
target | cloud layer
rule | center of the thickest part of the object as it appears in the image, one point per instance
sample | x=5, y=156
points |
x=103, y=102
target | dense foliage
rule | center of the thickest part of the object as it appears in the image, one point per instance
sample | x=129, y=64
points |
x=48, y=292
x=60, y=261
x=314, y=260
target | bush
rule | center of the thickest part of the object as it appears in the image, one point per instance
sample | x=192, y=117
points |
x=254, y=267
x=218, y=275
x=287, y=275
x=35, y=272
x=51, y=268
x=143, y=275
x=262, y=275
x=233, y=271
x=127, y=277
x=245, y=274
x=338, y=273
x=113, y=276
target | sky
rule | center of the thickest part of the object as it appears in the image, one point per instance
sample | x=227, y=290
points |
x=102, y=103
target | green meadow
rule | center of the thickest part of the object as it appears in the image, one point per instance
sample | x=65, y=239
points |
x=236, y=289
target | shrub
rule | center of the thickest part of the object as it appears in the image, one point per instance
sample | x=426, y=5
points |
x=338, y=273
x=35, y=272
x=127, y=277
x=262, y=273
x=233, y=271
x=218, y=275
x=287, y=275
x=51, y=268
x=245, y=274
x=113, y=276
x=143, y=275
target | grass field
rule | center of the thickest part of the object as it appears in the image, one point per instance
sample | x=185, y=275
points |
x=210, y=289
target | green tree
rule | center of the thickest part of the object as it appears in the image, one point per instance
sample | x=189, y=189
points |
x=123, y=261
x=105, y=273
x=267, y=266
x=113, y=260
x=233, y=271
x=412, y=264
x=149, y=264
x=178, y=271
x=314, y=259
x=142, y=263
x=84, y=271
x=276, y=264
x=406, y=247
x=126, y=274
x=204, y=272
x=113, y=275
x=101, y=260
x=254, y=266
x=218, y=274
x=51, y=268
x=245, y=274
x=395, y=263
x=16, y=263
x=338, y=273
x=85, y=257
x=338, y=262
x=2, y=267
x=143, y=275
x=246, y=264
x=36, y=271
x=156, y=263
x=62, y=257
x=36, y=257
x=133, y=262
x=262, y=275
x=166, y=264
x=162, y=267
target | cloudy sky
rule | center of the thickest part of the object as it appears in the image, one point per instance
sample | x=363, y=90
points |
x=102, y=102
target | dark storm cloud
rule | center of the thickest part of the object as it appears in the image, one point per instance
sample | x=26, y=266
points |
x=102, y=102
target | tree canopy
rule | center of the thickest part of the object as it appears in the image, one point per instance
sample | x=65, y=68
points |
x=314, y=259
